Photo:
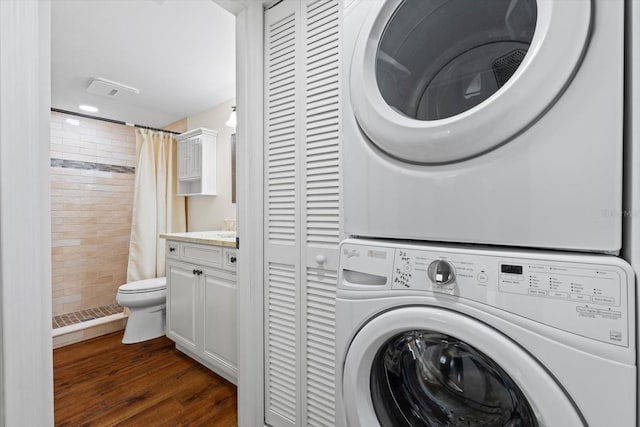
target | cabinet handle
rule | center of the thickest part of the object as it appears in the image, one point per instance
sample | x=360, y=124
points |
x=195, y=271
x=199, y=272
x=232, y=260
x=172, y=249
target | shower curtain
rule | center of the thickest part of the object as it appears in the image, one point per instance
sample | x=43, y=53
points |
x=156, y=208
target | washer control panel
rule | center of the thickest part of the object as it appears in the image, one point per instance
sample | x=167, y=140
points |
x=589, y=295
x=599, y=286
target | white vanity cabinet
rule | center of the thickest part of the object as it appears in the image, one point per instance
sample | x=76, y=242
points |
x=201, y=304
x=197, y=162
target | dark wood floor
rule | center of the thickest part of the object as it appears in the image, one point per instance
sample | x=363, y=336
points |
x=102, y=382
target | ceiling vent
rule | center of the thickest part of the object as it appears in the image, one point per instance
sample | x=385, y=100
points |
x=104, y=87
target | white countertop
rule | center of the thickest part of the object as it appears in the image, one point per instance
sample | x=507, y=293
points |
x=215, y=238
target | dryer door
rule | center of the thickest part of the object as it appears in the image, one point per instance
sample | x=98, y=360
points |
x=424, y=366
x=439, y=81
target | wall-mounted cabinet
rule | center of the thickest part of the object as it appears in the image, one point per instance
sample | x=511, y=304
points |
x=197, y=162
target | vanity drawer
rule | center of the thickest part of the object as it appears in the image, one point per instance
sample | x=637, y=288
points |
x=173, y=249
x=210, y=256
x=229, y=259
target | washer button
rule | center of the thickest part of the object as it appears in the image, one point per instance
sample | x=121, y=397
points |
x=482, y=278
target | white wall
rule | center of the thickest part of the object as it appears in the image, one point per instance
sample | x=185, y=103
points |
x=208, y=212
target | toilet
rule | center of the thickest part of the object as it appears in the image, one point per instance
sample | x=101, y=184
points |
x=146, y=301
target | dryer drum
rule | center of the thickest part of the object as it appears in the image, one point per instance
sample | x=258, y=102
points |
x=439, y=58
x=425, y=378
x=469, y=79
x=505, y=66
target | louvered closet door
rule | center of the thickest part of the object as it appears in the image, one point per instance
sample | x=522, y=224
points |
x=302, y=211
x=321, y=208
x=282, y=224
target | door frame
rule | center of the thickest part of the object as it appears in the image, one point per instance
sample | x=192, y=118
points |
x=26, y=376
x=26, y=357
x=250, y=198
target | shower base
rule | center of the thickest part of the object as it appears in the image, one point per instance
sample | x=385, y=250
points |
x=82, y=325
x=81, y=316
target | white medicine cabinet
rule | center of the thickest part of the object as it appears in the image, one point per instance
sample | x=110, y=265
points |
x=197, y=162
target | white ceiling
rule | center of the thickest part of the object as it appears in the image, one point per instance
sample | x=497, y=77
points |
x=180, y=54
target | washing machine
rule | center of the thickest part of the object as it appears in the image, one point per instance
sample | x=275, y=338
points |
x=430, y=335
x=487, y=121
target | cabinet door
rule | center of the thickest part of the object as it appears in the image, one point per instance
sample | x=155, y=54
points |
x=219, y=320
x=184, y=159
x=190, y=158
x=195, y=158
x=182, y=299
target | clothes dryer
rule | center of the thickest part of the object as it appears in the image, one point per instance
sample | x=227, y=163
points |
x=485, y=121
x=430, y=335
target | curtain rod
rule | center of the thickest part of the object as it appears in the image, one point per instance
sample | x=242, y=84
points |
x=87, y=116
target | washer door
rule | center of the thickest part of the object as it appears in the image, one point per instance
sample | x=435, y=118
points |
x=424, y=366
x=439, y=81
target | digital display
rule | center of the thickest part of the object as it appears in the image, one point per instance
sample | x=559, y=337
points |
x=511, y=269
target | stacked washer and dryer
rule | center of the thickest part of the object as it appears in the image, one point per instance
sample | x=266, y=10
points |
x=483, y=189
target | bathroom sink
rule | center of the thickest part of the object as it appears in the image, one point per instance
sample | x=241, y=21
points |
x=223, y=237
x=217, y=234
x=227, y=234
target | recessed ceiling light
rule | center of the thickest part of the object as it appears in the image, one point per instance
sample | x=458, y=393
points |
x=88, y=108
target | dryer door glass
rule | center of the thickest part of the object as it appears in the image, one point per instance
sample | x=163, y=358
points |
x=442, y=81
x=439, y=58
x=425, y=378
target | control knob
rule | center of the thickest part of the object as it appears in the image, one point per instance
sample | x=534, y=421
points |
x=441, y=272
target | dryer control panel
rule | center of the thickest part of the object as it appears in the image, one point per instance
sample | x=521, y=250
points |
x=588, y=295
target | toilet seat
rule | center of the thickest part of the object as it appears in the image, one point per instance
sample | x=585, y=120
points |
x=144, y=286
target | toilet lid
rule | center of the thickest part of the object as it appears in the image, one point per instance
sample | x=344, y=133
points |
x=147, y=285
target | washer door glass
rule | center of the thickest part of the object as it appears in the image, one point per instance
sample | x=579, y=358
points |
x=429, y=366
x=425, y=378
x=439, y=58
